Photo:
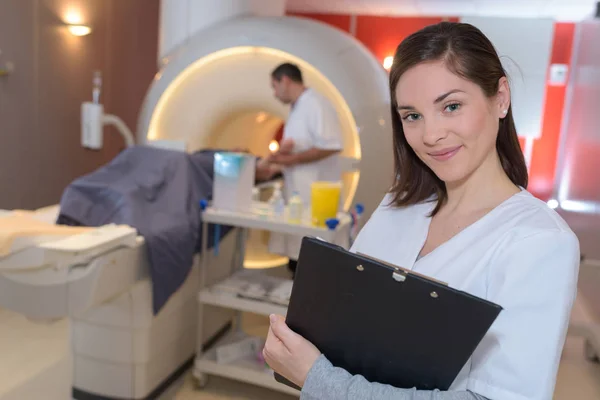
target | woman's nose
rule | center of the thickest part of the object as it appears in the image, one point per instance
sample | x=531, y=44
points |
x=434, y=132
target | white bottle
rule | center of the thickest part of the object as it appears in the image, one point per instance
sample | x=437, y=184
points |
x=296, y=209
x=277, y=203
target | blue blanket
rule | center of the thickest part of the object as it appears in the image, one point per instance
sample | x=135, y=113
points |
x=156, y=191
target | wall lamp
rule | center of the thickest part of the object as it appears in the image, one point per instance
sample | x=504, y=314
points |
x=79, y=30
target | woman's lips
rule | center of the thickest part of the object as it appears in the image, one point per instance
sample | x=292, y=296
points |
x=445, y=154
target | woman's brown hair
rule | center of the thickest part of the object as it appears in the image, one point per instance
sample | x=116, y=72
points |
x=468, y=53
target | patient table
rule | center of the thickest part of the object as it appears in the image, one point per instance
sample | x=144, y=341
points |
x=99, y=279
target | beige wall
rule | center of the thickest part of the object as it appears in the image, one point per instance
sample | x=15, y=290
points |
x=40, y=151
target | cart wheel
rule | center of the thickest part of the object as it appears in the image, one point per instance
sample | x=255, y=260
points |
x=200, y=381
x=590, y=352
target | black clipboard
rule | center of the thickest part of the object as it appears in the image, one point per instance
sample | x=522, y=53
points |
x=390, y=325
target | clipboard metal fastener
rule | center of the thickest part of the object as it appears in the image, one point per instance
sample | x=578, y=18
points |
x=360, y=268
x=398, y=277
x=434, y=295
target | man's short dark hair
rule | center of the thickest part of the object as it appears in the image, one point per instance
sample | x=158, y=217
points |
x=287, y=69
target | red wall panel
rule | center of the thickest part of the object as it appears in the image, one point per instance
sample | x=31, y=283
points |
x=545, y=150
x=383, y=34
x=339, y=21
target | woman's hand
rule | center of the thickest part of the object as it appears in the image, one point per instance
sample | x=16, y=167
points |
x=288, y=353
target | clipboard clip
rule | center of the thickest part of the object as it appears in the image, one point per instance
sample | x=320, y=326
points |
x=398, y=277
x=399, y=273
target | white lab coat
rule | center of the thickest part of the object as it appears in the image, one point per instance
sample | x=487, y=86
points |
x=522, y=256
x=313, y=122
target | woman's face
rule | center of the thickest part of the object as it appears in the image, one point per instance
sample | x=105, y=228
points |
x=448, y=121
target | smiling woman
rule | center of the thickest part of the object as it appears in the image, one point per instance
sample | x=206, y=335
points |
x=459, y=212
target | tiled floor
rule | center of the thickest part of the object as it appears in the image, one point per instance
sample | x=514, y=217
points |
x=38, y=351
x=578, y=379
x=27, y=347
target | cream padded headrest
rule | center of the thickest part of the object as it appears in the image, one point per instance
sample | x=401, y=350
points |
x=20, y=229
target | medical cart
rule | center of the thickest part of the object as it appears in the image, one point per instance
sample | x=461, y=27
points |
x=248, y=369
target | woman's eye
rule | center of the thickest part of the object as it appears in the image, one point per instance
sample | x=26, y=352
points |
x=452, y=107
x=411, y=117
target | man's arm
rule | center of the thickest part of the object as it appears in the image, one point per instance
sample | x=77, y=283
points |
x=265, y=171
x=304, y=157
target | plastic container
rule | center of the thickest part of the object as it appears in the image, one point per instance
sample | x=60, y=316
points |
x=276, y=202
x=296, y=209
x=233, y=181
x=325, y=201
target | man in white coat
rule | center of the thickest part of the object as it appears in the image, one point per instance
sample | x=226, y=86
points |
x=314, y=129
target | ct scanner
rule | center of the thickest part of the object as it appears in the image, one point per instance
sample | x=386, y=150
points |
x=212, y=91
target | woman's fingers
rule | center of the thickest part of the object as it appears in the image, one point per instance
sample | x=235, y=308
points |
x=282, y=331
x=274, y=347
